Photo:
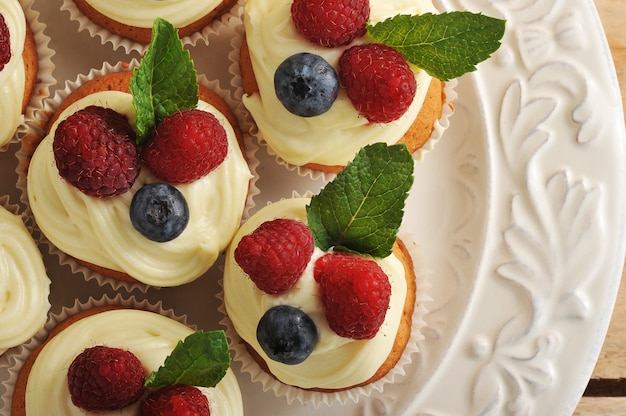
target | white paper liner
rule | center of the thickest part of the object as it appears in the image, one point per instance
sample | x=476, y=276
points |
x=117, y=41
x=316, y=398
x=44, y=79
x=248, y=123
x=5, y=202
x=12, y=362
x=36, y=134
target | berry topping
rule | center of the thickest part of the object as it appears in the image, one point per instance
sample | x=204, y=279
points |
x=95, y=152
x=5, y=43
x=306, y=84
x=330, y=22
x=103, y=378
x=275, y=254
x=378, y=80
x=175, y=400
x=287, y=334
x=159, y=212
x=355, y=293
x=186, y=146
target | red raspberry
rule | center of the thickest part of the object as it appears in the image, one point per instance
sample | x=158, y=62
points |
x=330, y=22
x=378, y=80
x=175, y=400
x=186, y=146
x=5, y=43
x=275, y=254
x=355, y=293
x=94, y=149
x=103, y=378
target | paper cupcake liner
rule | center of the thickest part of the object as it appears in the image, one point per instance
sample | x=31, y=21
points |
x=12, y=362
x=250, y=126
x=30, y=142
x=117, y=41
x=44, y=79
x=5, y=202
x=290, y=393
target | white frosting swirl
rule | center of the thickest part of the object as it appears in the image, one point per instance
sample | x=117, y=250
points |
x=24, y=284
x=99, y=231
x=13, y=75
x=336, y=362
x=150, y=336
x=141, y=13
x=334, y=137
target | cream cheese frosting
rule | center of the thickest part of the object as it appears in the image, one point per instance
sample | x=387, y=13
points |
x=24, y=284
x=334, y=137
x=150, y=336
x=99, y=231
x=141, y=13
x=13, y=75
x=336, y=362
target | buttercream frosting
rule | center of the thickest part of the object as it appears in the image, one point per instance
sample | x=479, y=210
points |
x=141, y=13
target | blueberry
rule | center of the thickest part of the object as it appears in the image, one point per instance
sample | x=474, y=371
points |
x=287, y=334
x=159, y=212
x=306, y=84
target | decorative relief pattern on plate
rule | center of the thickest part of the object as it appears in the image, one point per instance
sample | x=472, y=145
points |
x=551, y=218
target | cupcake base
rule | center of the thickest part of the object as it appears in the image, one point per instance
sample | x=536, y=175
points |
x=406, y=346
x=117, y=78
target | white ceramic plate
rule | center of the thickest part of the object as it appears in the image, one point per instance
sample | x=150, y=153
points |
x=519, y=213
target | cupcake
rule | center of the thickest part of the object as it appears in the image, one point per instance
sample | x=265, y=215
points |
x=130, y=24
x=25, y=285
x=145, y=340
x=162, y=212
x=292, y=276
x=319, y=89
x=24, y=64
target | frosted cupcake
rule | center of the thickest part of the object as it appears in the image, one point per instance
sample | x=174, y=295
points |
x=290, y=284
x=129, y=24
x=319, y=89
x=25, y=285
x=145, y=338
x=201, y=191
x=25, y=67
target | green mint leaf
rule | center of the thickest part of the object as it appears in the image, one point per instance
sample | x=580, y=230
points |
x=445, y=45
x=361, y=209
x=201, y=359
x=165, y=82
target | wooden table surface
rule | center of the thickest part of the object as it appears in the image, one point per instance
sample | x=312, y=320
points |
x=606, y=392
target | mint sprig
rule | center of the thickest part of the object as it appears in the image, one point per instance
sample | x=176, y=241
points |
x=362, y=208
x=445, y=45
x=165, y=81
x=201, y=359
